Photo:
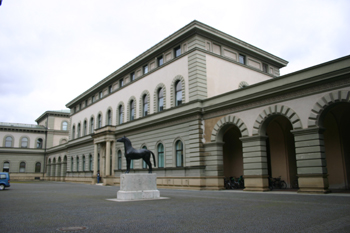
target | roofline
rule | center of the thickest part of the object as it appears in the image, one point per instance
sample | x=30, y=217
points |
x=49, y=112
x=194, y=27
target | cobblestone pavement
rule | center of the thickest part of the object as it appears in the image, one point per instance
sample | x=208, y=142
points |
x=50, y=206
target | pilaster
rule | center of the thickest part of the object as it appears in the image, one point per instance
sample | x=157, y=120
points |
x=311, y=160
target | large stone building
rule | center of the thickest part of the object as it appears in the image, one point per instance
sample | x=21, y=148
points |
x=210, y=106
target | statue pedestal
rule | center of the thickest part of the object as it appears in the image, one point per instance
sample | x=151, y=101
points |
x=138, y=186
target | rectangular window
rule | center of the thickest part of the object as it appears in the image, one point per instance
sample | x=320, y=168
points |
x=110, y=89
x=242, y=59
x=100, y=95
x=86, y=103
x=145, y=69
x=160, y=61
x=121, y=83
x=132, y=76
x=92, y=99
x=177, y=51
x=265, y=68
x=80, y=106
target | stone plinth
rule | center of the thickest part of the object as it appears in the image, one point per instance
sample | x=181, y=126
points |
x=138, y=186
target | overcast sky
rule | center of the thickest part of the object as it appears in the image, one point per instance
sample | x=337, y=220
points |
x=52, y=51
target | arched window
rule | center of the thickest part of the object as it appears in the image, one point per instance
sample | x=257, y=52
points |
x=73, y=132
x=99, y=121
x=79, y=130
x=39, y=143
x=6, y=167
x=144, y=164
x=64, y=125
x=90, y=162
x=8, y=141
x=85, y=128
x=22, y=167
x=77, y=164
x=92, y=125
x=120, y=114
x=24, y=142
x=160, y=100
x=119, y=160
x=160, y=155
x=71, y=164
x=145, y=105
x=179, y=153
x=84, y=163
x=178, y=93
x=132, y=110
x=37, y=167
x=109, y=117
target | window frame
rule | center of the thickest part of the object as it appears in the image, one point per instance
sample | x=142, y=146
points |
x=176, y=49
x=242, y=59
x=160, y=60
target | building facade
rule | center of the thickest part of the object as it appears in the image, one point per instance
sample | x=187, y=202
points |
x=212, y=106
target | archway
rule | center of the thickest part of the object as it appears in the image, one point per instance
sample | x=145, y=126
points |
x=335, y=120
x=280, y=149
x=232, y=151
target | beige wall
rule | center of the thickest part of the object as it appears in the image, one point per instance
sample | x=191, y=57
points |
x=164, y=75
x=17, y=138
x=224, y=76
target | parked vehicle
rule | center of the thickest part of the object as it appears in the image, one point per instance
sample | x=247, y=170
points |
x=4, y=180
x=232, y=183
x=277, y=183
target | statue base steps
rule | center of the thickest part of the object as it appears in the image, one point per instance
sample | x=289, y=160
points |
x=139, y=186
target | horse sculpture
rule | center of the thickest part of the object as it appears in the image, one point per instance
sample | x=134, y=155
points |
x=132, y=154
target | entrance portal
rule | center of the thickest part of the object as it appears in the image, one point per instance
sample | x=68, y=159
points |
x=337, y=145
x=232, y=152
x=280, y=149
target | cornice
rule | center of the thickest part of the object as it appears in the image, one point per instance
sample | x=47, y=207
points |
x=12, y=150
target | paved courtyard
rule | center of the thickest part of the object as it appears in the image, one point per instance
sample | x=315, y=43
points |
x=51, y=206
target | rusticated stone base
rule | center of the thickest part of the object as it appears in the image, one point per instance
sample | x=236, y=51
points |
x=138, y=186
x=256, y=183
x=313, y=184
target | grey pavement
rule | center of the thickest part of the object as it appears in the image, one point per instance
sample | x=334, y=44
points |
x=51, y=206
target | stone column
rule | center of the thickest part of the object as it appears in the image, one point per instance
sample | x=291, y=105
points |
x=255, y=163
x=311, y=160
x=95, y=160
x=214, y=169
x=63, y=171
x=113, y=157
x=108, y=155
x=102, y=160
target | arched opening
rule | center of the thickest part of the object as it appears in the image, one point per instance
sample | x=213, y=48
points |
x=280, y=150
x=336, y=122
x=232, y=152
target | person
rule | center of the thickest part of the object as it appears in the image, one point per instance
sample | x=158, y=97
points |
x=98, y=176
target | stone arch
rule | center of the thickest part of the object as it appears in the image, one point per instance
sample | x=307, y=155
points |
x=128, y=108
x=217, y=133
x=155, y=97
x=121, y=103
x=12, y=140
x=314, y=119
x=145, y=92
x=275, y=110
x=28, y=141
x=172, y=90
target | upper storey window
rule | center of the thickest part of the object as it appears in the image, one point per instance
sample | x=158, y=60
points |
x=178, y=93
x=145, y=105
x=39, y=143
x=73, y=132
x=242, y=59
x=109, y=117
x=91, y=125
x=100, y=95
x=110, y=89
x=132, y=76
x=120, y=114
x=8, y=141
x=160, y=100
x=265, y=68
x=145, y=69
x=24, y=142
x=79, y=129
x=92, y=99
x=121, y=82
x=85, y=128
x=177, y=51
x=99, y=121
x=160, y=61
x=64, y=125
x=132, y=110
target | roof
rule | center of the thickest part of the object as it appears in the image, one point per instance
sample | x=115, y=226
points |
x=64, y=113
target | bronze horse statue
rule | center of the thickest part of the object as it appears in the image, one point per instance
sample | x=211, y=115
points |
x=132, y=154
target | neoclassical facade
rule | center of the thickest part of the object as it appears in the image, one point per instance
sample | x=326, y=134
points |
x=212, y=106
